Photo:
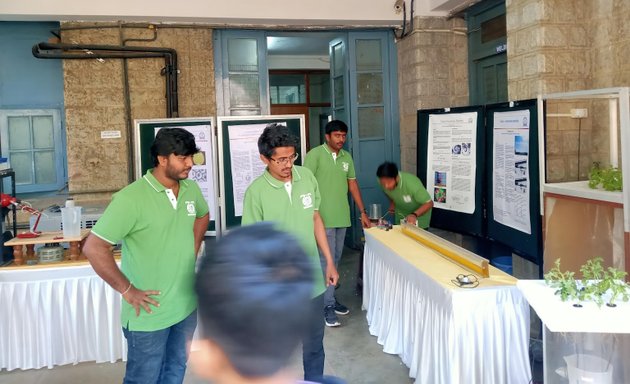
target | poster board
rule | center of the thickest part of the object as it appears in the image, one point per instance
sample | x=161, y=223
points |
x=204, y=169
x=451, y=160
x=514, y=215
x=240, y=159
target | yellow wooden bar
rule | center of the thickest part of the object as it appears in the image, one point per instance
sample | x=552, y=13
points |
x=459, y=255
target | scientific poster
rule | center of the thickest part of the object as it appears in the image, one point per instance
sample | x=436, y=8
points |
x=202, y=171
x=510, y=172
x=452, y=161
x=245, y=159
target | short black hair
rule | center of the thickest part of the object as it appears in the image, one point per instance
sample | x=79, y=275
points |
x=387, y=169
x=275, y=136
x=336, y=126
x=244, y=286
x=176, y=141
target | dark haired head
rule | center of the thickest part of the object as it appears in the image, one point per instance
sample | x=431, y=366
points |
x=275, y=136
x=176, y=141
x=336, y=126
x=387, y=169
x=244, y=286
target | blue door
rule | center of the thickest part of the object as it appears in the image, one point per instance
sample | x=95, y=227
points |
x=364, y=95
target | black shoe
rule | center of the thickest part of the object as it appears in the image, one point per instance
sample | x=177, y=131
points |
x=341, y=309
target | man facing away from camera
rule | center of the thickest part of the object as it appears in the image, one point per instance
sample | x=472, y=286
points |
x=251, y=276
x=161, y=220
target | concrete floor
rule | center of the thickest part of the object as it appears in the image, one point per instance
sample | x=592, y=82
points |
x=351, y=352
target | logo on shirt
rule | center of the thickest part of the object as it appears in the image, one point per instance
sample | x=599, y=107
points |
x=407, y=198
x=345, y=166
x=190, y=207
x=307, y=200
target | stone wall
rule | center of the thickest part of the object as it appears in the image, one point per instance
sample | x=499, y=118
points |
x=95, y=97
x=564, y=46
x=432, y=73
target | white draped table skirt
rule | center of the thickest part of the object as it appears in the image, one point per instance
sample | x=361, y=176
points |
x=55, y=316
x=443, y=334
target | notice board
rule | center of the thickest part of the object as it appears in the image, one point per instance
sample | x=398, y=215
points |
x=239, y=158
x=513, y=187
x=451, y=159
x=205, y=162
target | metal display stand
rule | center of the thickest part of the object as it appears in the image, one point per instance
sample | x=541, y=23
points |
x=571, y=209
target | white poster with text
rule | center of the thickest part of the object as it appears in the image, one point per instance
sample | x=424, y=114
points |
x=452, y=161
x=510, y=170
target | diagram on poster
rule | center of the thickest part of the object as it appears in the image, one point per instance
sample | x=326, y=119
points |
x=510, y=172
x=245, y=159
x=202, y=171
x=452, y=161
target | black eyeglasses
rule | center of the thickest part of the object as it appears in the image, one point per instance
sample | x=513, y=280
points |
x=285, y=160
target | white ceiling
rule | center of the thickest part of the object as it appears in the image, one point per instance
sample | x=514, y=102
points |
x=300, y=43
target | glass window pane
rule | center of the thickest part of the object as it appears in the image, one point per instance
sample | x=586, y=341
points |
x=338, y=60
x=242, y=55
x=244, y=91
x=370, y=88
x=22, y=163
x=43, y=132
x=291, y=88
x=369, y=55
x=319, y=87
x=371, y=122
x=339, y=92
x=493, y=29
x=19, y=132
x=45, y=172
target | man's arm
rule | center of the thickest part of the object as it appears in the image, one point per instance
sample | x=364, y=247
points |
x=199, y=229
x=353, y=187
x=424, y=208
x=99, y=253
x=322, y=242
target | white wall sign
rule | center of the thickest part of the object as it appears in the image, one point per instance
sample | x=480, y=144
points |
x=110, y=135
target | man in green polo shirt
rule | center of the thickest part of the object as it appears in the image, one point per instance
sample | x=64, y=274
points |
x=409, y=200
x=289, y=196
x=333, y=168
x=161, y=220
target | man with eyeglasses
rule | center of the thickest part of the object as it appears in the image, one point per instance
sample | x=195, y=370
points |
x=288, y=195
x=333, y=168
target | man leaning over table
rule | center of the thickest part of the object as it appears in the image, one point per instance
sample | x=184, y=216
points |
x=333, y=168
x=288, y=195
x=409, y=200
x=161, y=220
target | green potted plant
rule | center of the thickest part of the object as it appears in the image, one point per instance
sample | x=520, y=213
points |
x=609, y=178
x=564, y=283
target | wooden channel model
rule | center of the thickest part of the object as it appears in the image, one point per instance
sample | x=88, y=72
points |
x=455, y=253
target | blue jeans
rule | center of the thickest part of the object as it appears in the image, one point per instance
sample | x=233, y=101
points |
x=159, y=357
x=313, y=343
x=336, y=238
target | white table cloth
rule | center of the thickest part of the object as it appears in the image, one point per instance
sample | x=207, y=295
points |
x=443, y=333
x=58, y=315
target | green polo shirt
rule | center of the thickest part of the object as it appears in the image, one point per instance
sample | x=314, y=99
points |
x=158, y=246
x=408, y=196
x=266, y=199
x=332, y=174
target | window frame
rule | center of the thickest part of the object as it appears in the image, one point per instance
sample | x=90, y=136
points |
x=57, y=142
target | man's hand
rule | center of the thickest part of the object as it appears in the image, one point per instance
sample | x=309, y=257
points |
x=138, y=298
x=365, y=220
x=412, y=219
x=332, y=276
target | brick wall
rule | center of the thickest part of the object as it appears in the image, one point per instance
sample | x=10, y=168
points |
x=94, y=97
x=432, y=73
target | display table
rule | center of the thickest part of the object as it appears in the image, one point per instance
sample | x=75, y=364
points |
x=58, y=315
x=443, y=333
x=589, y=335
x=18, y=245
